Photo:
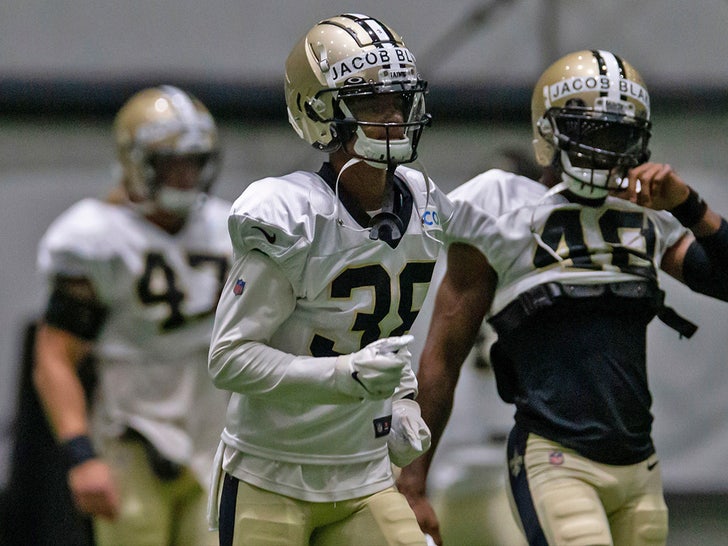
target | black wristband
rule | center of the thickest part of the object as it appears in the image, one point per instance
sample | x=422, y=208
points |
x=690, y=211
x=77, y=450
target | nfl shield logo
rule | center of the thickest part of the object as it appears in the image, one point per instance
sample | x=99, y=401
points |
x=556, y=458
x=239, y=286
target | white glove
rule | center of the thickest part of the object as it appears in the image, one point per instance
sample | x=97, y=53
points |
x=374, y=371
x=409, y=436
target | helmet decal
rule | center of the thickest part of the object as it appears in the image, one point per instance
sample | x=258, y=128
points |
x=611, y=83
x=385, y=58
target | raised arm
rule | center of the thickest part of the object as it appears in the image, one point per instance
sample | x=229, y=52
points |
x=700, y=258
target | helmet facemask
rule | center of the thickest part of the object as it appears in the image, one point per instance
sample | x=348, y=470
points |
x=357, y=103
x=179, y=201
x=596, y=148
x=590, y=113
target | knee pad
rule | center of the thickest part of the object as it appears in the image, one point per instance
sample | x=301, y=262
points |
x=649, y=523
x=572, y=515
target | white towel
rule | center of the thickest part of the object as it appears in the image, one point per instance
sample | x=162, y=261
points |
x=213, y=498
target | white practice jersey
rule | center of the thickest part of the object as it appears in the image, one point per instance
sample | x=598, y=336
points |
x=495, y=192
x=336, y=290
x=160, y=291
x=617, y=241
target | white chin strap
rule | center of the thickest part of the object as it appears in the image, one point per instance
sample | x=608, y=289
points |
x=374, y=151
x=587, y=183
x=353, y=161
x=178, y=201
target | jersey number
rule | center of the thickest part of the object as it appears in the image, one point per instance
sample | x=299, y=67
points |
x=167, y=293
x=377, y=278
x=565, y=227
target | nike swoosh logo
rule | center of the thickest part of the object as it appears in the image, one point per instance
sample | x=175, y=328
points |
x=270, y=238
x=355, y=377
x=652, y=465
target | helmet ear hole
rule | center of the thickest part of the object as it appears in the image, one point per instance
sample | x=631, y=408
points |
x=314, y=108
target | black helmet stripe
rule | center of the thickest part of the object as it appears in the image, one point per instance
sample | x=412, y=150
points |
x=620, y=63
x=600, y=61
x=373, y=27
x=602, y=66
x=608, y=64
x=622, y=73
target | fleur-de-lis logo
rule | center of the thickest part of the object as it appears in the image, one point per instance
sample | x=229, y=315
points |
x=515, y=464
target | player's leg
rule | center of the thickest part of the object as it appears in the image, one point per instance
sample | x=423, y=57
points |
x=144, y=518
x=381, y=519
x=250, y=516
x=643, y=519
x=554, y=493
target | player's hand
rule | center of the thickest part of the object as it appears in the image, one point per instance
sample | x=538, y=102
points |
x=374, y=371
x=409, y=436
x=411, y=483
x=656, y=186
x=93, y=489
x=426, y=518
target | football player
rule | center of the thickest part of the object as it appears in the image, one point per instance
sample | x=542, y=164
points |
x=330, y=269
x=134, y=280
x=576, y=273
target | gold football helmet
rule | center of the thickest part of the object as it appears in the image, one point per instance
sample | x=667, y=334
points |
x=353, y=57
x=164, y=121
x=590, y=112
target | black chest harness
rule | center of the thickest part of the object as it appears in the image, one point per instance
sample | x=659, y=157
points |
x=549, y=294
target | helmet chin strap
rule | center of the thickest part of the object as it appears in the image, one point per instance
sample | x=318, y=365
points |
x=179, y=202
x=587, y=183
x=353, y=161
x=381, y=153
x=591, y=183
x=428, y=190
x=375, y=152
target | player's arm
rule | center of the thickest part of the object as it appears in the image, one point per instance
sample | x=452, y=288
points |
x=64, y=339
x=462, y=301
x=700, y=258
x=256, y=300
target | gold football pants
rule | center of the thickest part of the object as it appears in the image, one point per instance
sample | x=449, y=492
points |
x=564, y=499
x=153, y=512
x=264, y=518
